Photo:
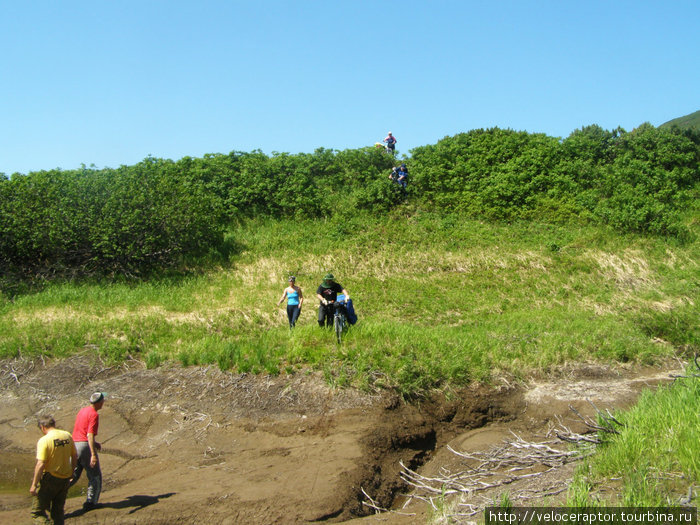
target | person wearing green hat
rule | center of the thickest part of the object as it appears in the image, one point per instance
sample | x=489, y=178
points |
x=327, y=294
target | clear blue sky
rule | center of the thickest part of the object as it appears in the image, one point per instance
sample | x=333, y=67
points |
x=109, y=83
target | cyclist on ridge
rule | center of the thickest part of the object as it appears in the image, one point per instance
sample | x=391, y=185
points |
x=390, y=143
x=327, y=294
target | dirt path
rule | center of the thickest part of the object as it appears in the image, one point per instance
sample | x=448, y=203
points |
x=204, y=446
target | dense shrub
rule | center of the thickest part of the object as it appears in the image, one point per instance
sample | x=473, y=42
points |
x=155, y=213
x=649, y=181
x=130, y=219
x=497, y=174
x=639, y=181
x=302, y=185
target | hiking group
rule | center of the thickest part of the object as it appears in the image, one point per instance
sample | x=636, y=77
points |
x=329, y=290
x=399, y=174
x=329, y=294
x=61, y=458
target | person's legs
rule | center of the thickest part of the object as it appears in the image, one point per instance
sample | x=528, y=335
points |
x=94, y=474
x=40, y=504
x=325, y=316
x=42, y=501
x=83, y=450
x=295, y=315
x=290, y=315
x=59, y=501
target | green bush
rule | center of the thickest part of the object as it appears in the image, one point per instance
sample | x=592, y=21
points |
x=150, y=215
x=158, y=212
x=635, y=182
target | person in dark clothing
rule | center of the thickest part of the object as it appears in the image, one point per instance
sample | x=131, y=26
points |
x=399, y=176
x=327, y=294
x=403, y=177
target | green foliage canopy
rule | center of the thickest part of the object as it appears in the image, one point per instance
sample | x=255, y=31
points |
x=129, y=219
x=158, y=212
x=640, y=181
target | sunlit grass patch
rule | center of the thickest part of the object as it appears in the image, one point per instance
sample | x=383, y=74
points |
x=656, y=456
x=441, y=301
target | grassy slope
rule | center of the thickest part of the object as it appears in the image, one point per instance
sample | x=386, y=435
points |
x=441, y=302
x=687, y=121
x=656, y=457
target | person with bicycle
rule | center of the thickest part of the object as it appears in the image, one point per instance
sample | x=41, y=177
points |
x=390, y=141
x=394, y=175
x=327, y=294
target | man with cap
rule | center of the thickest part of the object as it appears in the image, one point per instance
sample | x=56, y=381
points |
x=327, y=293
x=86, y=424
x=55, y=459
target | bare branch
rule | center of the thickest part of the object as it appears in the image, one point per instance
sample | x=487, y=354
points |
x=377, y=509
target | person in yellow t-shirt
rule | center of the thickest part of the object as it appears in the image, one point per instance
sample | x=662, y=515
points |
x=56, y=457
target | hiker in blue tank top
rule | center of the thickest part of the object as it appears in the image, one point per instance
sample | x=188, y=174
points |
x=295, y=299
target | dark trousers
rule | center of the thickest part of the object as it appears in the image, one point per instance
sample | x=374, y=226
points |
x=293, y=312
x=51, y=496
x=327, y=312
x=325, y=315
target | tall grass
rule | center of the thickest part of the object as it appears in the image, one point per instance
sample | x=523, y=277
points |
x=441, y=301
x=656, y=458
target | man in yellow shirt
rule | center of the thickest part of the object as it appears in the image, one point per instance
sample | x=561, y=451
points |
x=56, y=457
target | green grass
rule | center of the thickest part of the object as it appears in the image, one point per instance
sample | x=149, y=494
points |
x=656, y=458
x=441, y=301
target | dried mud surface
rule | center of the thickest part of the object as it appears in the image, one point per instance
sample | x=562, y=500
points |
x=202, y=446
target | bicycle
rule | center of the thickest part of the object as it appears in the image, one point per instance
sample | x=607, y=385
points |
x=340, y=322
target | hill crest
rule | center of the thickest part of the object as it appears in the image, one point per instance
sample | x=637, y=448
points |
x=688, y=121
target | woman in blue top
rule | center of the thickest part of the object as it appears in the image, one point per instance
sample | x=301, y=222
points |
x=294, y=301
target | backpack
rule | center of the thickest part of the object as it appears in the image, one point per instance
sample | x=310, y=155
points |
x=350, y=312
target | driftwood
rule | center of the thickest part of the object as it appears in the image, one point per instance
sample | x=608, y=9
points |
x=606, y=425
x=482, y=473
x=516, y=460
x=512, y=464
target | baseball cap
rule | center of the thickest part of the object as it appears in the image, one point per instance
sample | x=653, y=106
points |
x=97, y=397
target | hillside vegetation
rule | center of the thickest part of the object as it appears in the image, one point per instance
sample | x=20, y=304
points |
x=162, y=214
x=442, y=301
x=655, y=454
x=691, y=121
x=513, y=252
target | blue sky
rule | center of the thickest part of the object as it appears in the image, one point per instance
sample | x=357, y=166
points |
x=110, y=83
